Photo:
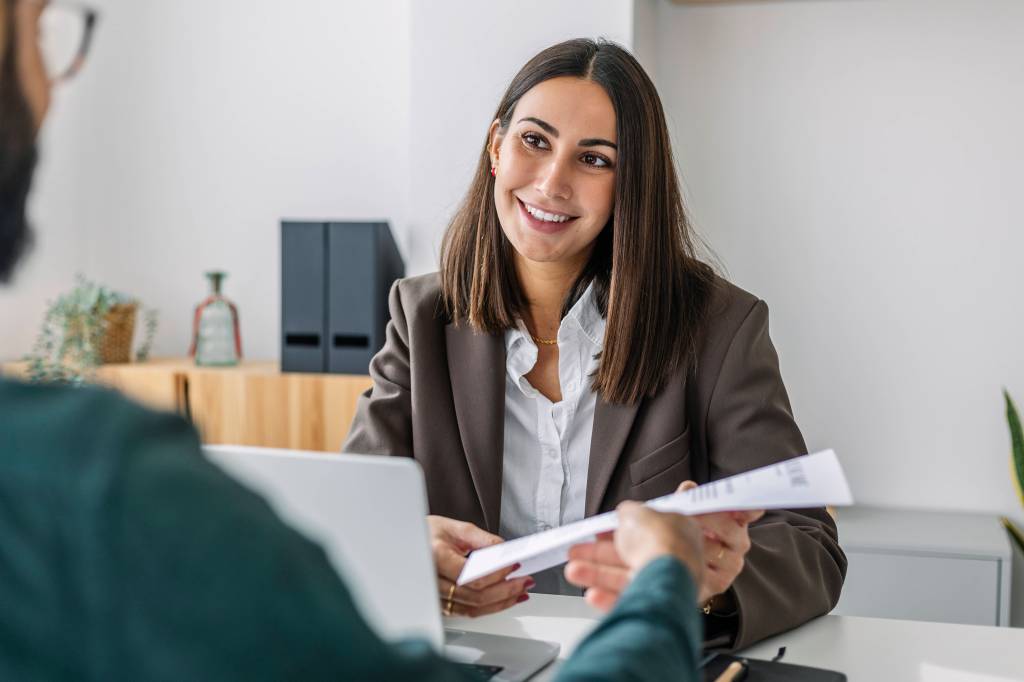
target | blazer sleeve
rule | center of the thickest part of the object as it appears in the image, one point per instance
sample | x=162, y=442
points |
x=795, y=568
x=382, y=424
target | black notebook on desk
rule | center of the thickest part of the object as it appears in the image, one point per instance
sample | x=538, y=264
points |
x=768, y=671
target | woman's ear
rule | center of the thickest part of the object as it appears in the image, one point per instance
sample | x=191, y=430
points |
x=494, y=138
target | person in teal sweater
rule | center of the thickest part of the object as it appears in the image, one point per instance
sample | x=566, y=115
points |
x=125, y=554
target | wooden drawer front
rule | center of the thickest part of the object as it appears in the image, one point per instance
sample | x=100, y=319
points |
x=916, y=587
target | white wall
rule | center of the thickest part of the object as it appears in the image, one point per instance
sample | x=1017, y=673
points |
x=858, y=164
x=195, y=127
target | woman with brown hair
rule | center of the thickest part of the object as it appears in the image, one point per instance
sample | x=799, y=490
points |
x=574, y=352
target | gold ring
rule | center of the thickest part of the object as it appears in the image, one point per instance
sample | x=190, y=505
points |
x=721, y=553
x=448, y=602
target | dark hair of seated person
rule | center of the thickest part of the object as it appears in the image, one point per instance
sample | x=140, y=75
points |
x=17, y=155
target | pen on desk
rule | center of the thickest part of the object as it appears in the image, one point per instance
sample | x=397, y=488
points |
x=734, y=673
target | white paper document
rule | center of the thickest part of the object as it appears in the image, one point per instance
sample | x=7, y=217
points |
x=810, y=481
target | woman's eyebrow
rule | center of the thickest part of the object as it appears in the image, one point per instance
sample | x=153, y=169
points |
x=553, y=131
x=596, y=142
x=548, y=128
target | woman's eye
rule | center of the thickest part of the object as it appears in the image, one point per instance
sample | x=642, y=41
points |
x=535, y=140
x=595, y=160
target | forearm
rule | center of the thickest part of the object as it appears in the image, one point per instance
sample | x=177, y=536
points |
x=793, y=573
x=652, y=633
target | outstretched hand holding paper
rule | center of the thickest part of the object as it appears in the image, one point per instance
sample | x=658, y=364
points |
x=810, y=481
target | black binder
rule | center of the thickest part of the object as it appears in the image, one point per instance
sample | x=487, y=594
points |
x=768, y=671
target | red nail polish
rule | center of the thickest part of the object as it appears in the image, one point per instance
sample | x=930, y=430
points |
x=530, y=583
x=516, y=567
x=522, y=598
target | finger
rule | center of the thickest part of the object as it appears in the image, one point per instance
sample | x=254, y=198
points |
x=735, y=537
x=601, y=600
x=448, y=560
x=468, y=537
x=686, y=485
x=722, y=528
x=492, y=595
x=627, y=507
x=588, y=574
x=718, y=553
x=719, y=577
x=714, y=550
x=475, y=612
x=456, y=609
x=493, y=578
x=747, y=517
x=443, y=586
x=600, y=552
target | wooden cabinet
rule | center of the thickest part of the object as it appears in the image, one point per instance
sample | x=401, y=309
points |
x=252, y=404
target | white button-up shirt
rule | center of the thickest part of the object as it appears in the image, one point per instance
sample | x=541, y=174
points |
x=547, y=445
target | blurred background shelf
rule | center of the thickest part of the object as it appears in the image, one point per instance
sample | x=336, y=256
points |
x=251, y=404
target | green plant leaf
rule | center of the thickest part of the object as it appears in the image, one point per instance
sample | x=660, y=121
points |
x=67, y=348
x=1015, y=532
x=1017, y=442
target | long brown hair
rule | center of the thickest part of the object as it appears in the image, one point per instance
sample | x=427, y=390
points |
x=649, y=284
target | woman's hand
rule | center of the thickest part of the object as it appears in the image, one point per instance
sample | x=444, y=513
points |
x=726, y=543
x=598, y=567
x=451, y=541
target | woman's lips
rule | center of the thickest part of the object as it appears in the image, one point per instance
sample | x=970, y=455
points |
x=541, y=225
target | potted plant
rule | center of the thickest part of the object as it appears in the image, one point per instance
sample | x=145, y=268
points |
x=84, y=328
x=1016, y=464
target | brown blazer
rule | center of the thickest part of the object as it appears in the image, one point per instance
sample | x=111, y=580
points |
x=439, y=396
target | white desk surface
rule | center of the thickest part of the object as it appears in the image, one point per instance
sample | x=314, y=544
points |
x=865, y=649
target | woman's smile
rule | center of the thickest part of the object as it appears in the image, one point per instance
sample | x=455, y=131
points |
x=541, y=220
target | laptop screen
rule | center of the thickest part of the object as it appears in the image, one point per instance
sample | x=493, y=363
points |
x=369, y=515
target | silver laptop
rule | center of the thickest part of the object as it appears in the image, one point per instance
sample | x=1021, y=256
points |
x=369, y=515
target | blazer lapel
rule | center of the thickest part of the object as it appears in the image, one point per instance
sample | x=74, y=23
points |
x=476, y=364
x=612, y=423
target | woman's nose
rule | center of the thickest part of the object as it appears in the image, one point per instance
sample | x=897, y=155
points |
x=554, y=180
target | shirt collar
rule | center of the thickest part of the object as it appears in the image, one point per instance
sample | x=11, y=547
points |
x=521, y=351
x=583, y=315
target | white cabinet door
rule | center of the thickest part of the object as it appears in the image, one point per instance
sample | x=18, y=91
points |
x=916, y=587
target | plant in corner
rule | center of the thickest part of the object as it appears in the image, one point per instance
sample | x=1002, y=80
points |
x=82, y=329
x=1017, y=464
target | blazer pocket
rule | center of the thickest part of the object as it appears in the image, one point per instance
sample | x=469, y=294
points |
x=659, y=461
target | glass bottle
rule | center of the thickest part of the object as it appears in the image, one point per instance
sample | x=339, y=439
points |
x=216, y=340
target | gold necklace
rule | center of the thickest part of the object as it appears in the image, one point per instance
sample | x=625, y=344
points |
x=544, y=342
